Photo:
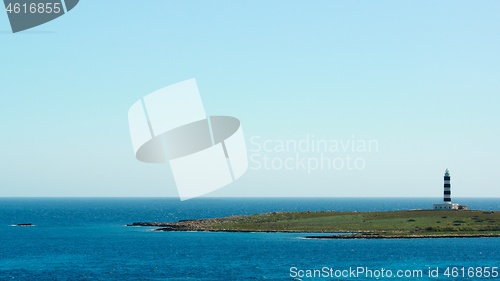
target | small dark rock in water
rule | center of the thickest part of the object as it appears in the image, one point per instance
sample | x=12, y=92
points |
x=24, y=224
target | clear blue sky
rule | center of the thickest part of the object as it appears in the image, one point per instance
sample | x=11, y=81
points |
x=420, y=77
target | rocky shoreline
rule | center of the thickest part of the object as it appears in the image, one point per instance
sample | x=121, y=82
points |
x=409, y=236
x=202, y=226
x=350, y=225
x=199, y=225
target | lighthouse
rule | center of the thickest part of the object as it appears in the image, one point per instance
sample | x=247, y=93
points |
x=446, y=205
x=447, y=187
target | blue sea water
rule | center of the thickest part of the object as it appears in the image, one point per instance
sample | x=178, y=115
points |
x=86, y=239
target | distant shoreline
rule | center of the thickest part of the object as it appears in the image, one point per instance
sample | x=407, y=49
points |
x=361, y=236
x=355, y=225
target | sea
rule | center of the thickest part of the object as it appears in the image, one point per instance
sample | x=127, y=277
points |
x=87, y=239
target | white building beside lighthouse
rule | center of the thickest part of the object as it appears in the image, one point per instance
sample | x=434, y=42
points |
x=447, y=204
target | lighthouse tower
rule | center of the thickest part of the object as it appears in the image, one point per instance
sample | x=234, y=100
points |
x=446, y=205
x=447, y=187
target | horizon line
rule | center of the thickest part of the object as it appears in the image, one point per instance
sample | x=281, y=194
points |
x=247, y=197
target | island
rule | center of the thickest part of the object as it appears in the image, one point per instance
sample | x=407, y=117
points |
x=351, y=225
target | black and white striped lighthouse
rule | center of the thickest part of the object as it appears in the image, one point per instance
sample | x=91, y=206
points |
x=447, y=187
x=447, y=205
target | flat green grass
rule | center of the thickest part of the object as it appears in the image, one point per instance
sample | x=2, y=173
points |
x=423, y=222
